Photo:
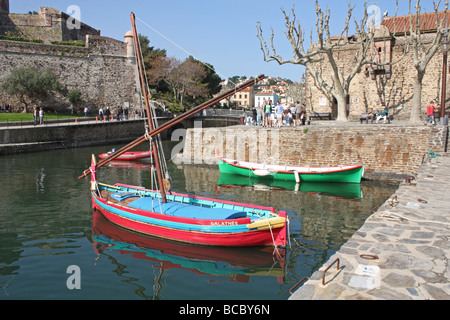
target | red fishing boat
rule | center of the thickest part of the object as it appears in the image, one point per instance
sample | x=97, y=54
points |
x=127, y=156
x=188, y=218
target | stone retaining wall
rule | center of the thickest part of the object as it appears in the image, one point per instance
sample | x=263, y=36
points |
x=389, y=149
x=76, y=133
x=38, y=138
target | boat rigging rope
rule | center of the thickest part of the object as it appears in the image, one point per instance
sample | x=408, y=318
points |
x=273, y=239
x=154, y=120
x=258, y=213
x=187, y=52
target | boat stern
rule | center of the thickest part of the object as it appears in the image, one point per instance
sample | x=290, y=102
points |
x=277, y=225
x=281, y=237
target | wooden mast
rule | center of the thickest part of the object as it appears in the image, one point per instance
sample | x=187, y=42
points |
x=173, y=122
x=147, y=108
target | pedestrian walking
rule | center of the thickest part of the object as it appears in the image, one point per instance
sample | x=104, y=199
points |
x=298, y=112
x=35, y=115
x=41, y=116
x=279, y=111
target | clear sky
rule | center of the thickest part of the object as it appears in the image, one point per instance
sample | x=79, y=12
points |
x=219, y=32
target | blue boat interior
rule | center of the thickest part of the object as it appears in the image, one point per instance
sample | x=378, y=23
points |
x=183, y=210
x=179, y=208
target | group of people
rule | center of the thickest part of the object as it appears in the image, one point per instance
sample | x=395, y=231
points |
x=384, y=114
x=38, y=115
x=5, y=107
x=277, y=115
x=122, y=114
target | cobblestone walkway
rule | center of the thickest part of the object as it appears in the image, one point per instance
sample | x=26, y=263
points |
x=402, y=251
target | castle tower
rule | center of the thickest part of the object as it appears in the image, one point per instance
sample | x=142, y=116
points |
x=4, y=6
x=129, y=39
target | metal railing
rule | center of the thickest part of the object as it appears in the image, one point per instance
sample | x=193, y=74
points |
x=222, y=113
x=325, y=271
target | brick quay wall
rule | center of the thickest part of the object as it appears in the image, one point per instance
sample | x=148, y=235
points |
x=383, y=149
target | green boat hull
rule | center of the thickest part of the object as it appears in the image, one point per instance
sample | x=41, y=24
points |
x=348, y=176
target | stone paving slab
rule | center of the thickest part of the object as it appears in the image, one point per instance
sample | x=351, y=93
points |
x=402, y=251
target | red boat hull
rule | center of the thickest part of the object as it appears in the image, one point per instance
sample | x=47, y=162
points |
x=249, y=238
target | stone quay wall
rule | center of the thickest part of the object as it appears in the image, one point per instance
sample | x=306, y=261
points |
x=382, y=149
x=46, y=137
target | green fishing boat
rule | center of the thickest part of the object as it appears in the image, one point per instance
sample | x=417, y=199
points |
x=349, y=174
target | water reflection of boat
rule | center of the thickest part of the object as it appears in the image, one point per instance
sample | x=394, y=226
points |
x=339, y=190
x=139, y=165
x=237, y=264
x=335, y=189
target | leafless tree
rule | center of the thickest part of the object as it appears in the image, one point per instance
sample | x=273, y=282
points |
x=321, y=55
x=186, y=78
x=160, y=69
x=297, y=92
x=423, y=49
x=182, y=77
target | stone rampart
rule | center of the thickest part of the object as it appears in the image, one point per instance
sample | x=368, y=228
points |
x=382, y=149
x=102, y=71
x=48, y=25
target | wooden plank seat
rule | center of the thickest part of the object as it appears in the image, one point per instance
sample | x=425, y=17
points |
x=320, y=115
x=373, y=117
x=366, y=117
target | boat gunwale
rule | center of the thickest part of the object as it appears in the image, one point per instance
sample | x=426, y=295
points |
x=164, y=217
x=188, y=221
x=195, y=197
x=176, y=229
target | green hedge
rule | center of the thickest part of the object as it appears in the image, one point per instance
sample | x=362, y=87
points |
x=77, y=43
x=21, y=39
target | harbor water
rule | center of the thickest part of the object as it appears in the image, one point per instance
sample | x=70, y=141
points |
x=48, y=229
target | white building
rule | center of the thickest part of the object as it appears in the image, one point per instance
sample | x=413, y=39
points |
x=261, y=96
